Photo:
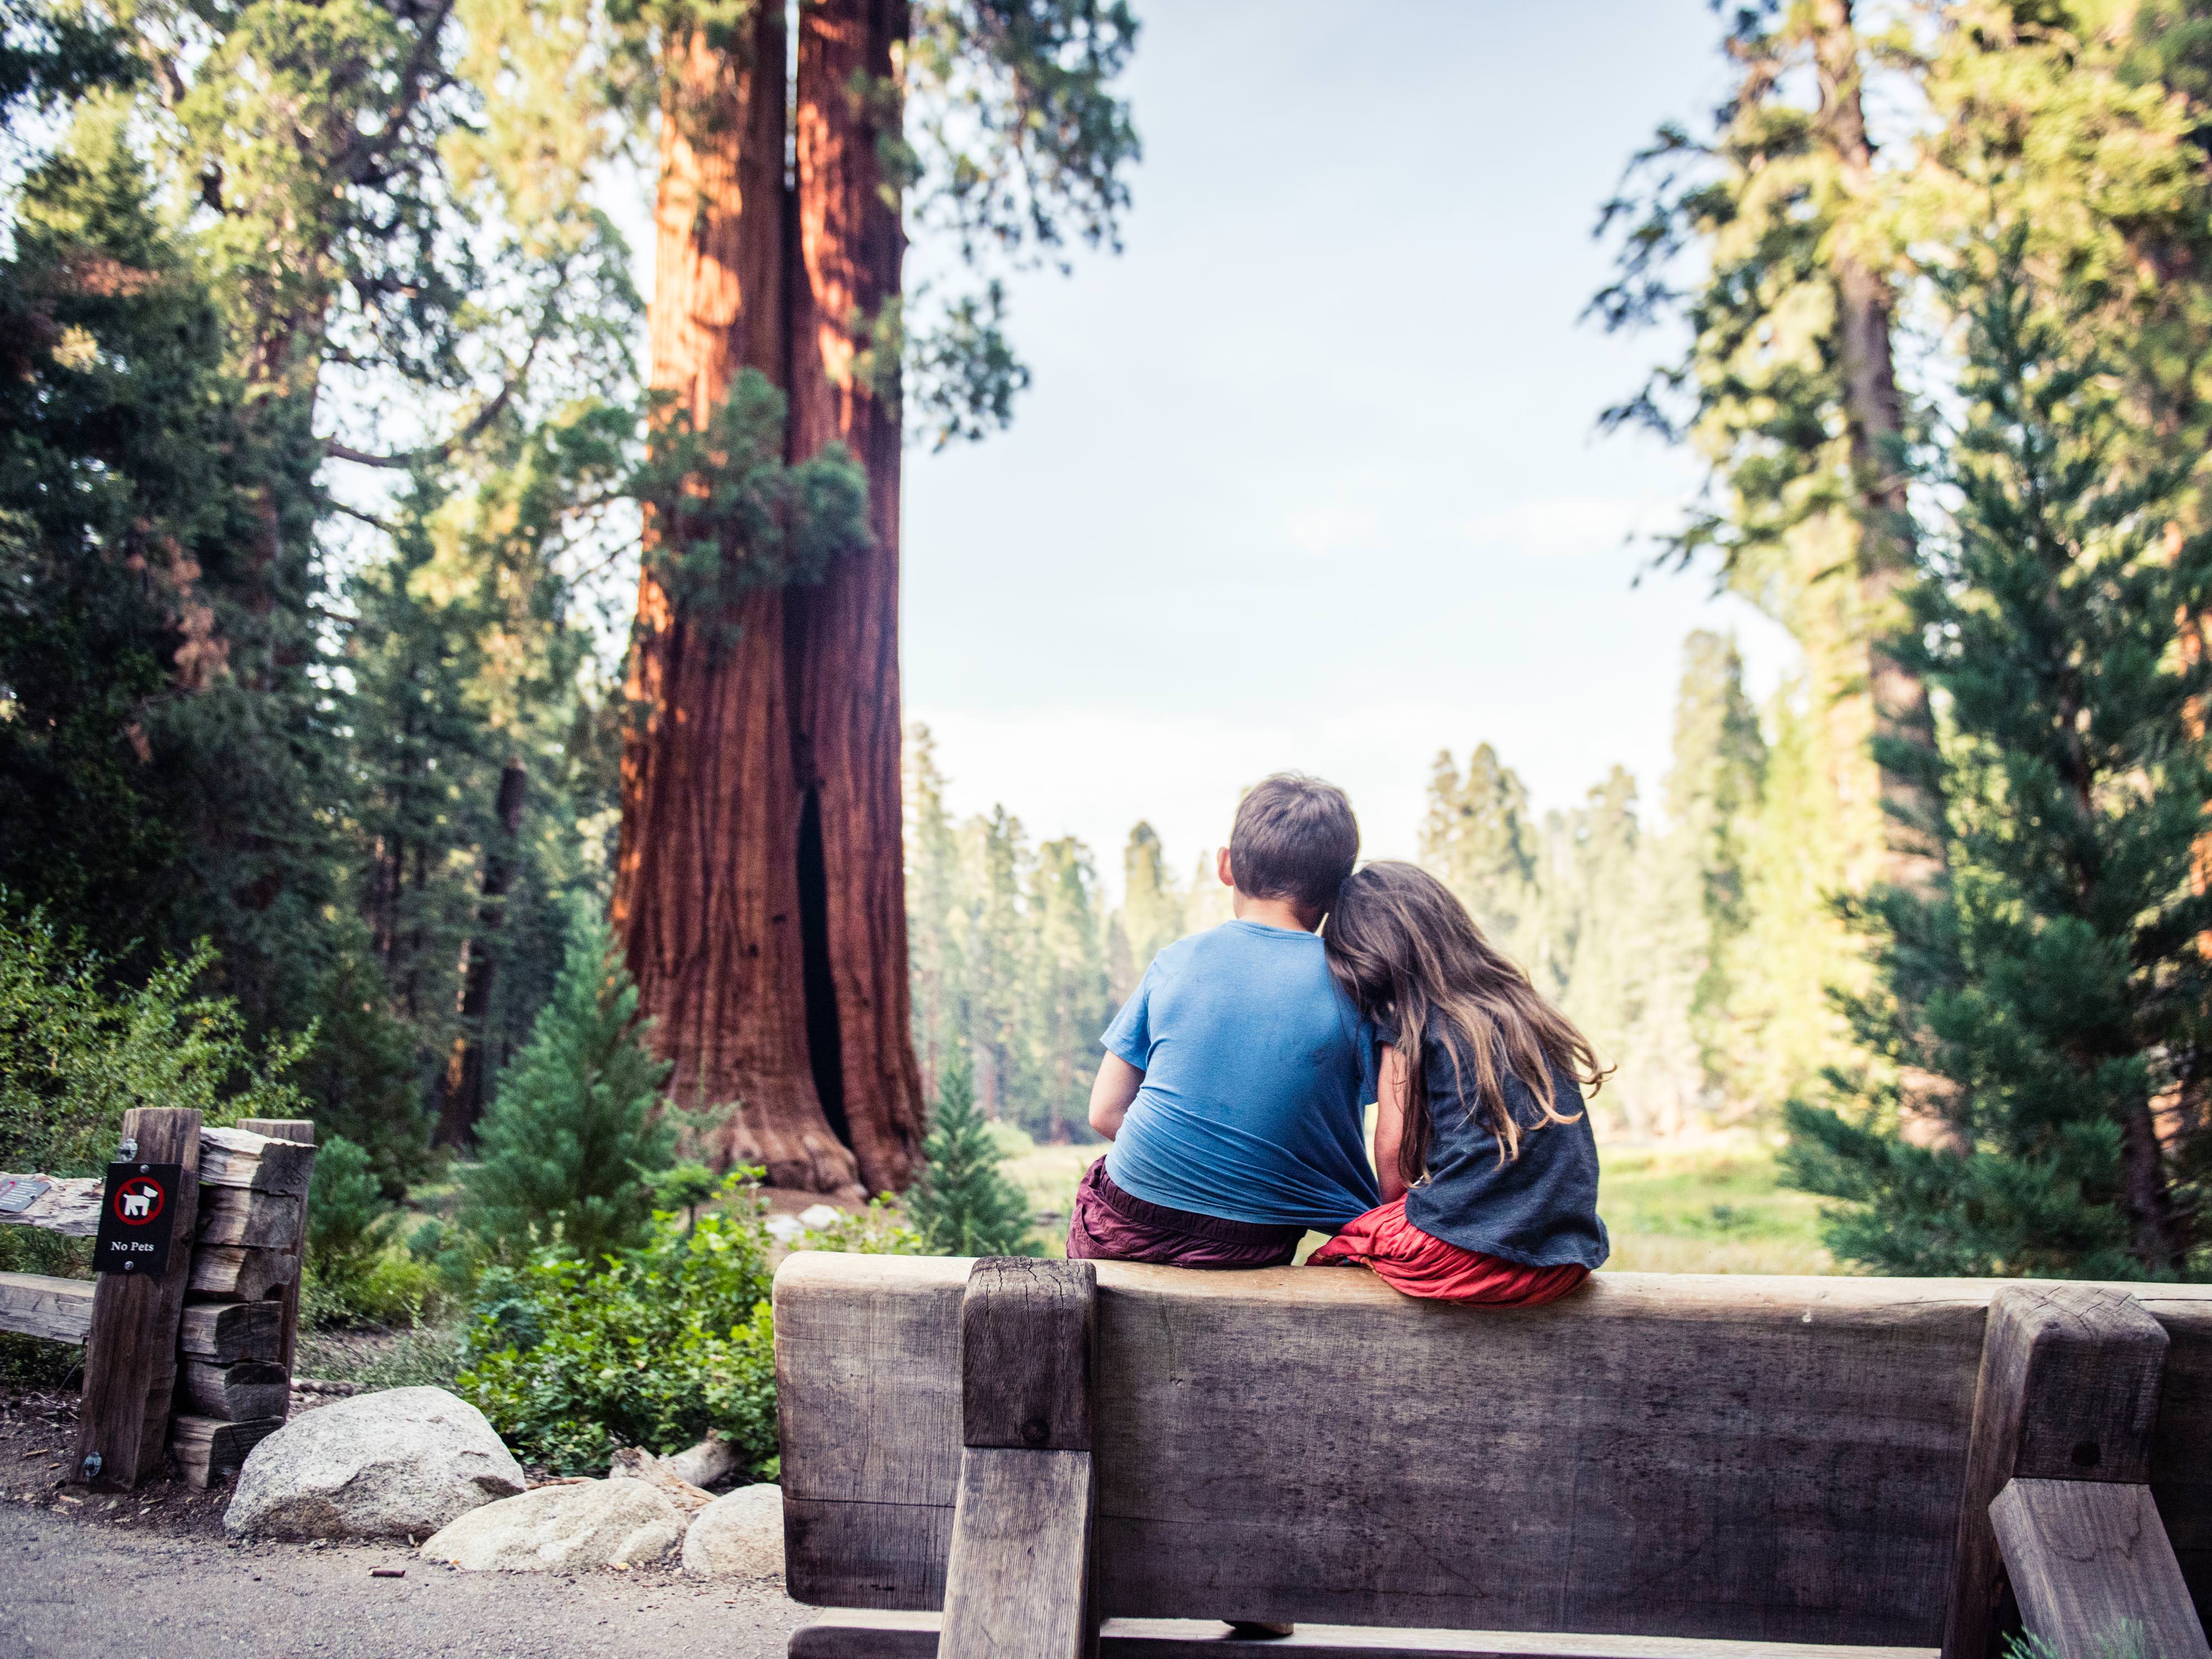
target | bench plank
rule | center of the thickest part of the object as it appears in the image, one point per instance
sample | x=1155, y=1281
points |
x=69, y=1206
x=2089, y=1558
x=865, y=1633
x=58, y=1310
x=1757, y=1459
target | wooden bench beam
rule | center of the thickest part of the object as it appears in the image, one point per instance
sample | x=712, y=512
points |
x=58, y=1310
x=2093, y=1571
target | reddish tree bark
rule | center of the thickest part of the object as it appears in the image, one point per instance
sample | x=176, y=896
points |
x=707, y=894
x=843, y=633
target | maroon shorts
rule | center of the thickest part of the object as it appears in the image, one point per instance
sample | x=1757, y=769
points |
x=1110, y=1226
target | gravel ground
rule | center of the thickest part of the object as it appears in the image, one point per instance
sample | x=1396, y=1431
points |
x=149, y=1575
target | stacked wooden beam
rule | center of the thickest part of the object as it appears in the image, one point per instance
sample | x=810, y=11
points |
x=235, y=1342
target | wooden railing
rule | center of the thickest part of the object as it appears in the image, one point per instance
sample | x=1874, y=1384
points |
x=198, y=1361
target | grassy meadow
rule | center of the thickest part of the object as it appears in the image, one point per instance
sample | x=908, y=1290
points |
x=1705, y=1204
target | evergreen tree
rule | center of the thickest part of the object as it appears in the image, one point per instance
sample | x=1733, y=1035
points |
x=2058, y=982
x=572, y=1142
x=1480, y=838
x=1152, y=908
x=1072, y=1004
x=962, y=1204
x=935, y=921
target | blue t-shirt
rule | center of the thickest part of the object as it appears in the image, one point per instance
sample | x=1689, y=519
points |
x=1250, y=1109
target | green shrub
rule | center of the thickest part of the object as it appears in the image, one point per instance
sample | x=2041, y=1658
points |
x=877, y=1231
x=75, y=1055
x=570, y=1360
x=571, y=1143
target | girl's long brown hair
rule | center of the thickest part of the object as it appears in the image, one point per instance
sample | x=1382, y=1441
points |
x=1409, y=956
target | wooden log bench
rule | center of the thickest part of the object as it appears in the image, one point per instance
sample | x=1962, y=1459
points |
x=195, y=1363
x=1048, y=1460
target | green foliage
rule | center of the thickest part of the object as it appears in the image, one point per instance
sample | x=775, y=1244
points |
x=2056, y=986
x=75, y=1055
x=684, y=1186
x=962, y=1204
x=653, y=1348
x=879, y=1229
x=570, y=1146
x=356, y=1272
x=2125, y=1640
x=732, y=514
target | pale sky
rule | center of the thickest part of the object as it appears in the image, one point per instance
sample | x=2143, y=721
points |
x=1308, y=476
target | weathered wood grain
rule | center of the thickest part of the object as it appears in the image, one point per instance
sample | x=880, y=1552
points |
x=227, y=1332
x=131, y=1351
x=234, y=1394
x=1017, y=1580
x=1028, y=1336
x=2091, y=1568
x=1734, y=1458
x=867, y=1633
x=56, y=1310
x=2067, y=1388
x=299, y=1131
x=230, y=1273
x=205, y=1446
x=257, y=1160
x=2181, y=1450
x=71, y=1206
x=251, y=1220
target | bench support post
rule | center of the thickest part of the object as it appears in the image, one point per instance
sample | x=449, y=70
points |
x=1019, y=1582
x=2068, y=1392
x=2095, y=1572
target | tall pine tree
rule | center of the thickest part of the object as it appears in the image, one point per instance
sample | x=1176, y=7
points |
x=2058, y=980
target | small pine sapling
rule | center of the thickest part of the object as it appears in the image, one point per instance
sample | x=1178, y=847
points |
x=963, y=1203
x=572, y=1143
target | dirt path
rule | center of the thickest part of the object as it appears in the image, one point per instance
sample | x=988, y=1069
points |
x=75, y=1589
x=151, y=1576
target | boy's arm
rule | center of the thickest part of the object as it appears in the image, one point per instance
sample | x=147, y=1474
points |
x=1389, y=1124
x=1117, y=1085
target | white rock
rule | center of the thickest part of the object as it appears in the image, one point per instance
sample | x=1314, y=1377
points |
x=784, y=1228
x=738, y=1537
x=814, y=1217
x=713, y=1458
x=583, y=1523
x=378, y=1465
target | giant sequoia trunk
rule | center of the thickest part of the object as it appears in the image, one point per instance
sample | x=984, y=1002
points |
x=707, y=892
x=843, y=635
x=1873, y=414
x=761, y=886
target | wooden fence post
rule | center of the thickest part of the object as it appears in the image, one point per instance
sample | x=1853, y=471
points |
x=1019, y=1579
x=131, y=1351
x=2067, y=1391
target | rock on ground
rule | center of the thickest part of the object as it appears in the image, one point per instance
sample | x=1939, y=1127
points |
x=581, y=1524
x=396, y=1464
x=738, y=1537
x=634, y=1463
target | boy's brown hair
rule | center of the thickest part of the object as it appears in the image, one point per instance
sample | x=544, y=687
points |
x=1294, y=839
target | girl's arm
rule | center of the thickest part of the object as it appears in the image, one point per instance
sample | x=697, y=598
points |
x=1390, y=1124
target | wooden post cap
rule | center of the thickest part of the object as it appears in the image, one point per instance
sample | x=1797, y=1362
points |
x=1027, y=1331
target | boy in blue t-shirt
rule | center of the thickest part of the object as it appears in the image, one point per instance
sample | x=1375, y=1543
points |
x=1232, y=1085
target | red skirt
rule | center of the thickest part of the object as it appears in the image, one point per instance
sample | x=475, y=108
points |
x=1408, y=1260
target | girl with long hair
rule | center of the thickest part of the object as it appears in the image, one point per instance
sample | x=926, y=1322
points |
x=1488, y=1168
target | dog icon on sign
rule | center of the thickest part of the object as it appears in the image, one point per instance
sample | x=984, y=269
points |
x=138, y=1201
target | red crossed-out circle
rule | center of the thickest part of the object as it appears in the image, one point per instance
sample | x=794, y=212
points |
x=137, y=1184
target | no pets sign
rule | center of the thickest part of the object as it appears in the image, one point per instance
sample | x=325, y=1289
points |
x=136, y=1214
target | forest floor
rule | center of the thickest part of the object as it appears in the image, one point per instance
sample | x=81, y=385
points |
x=151, y=1575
